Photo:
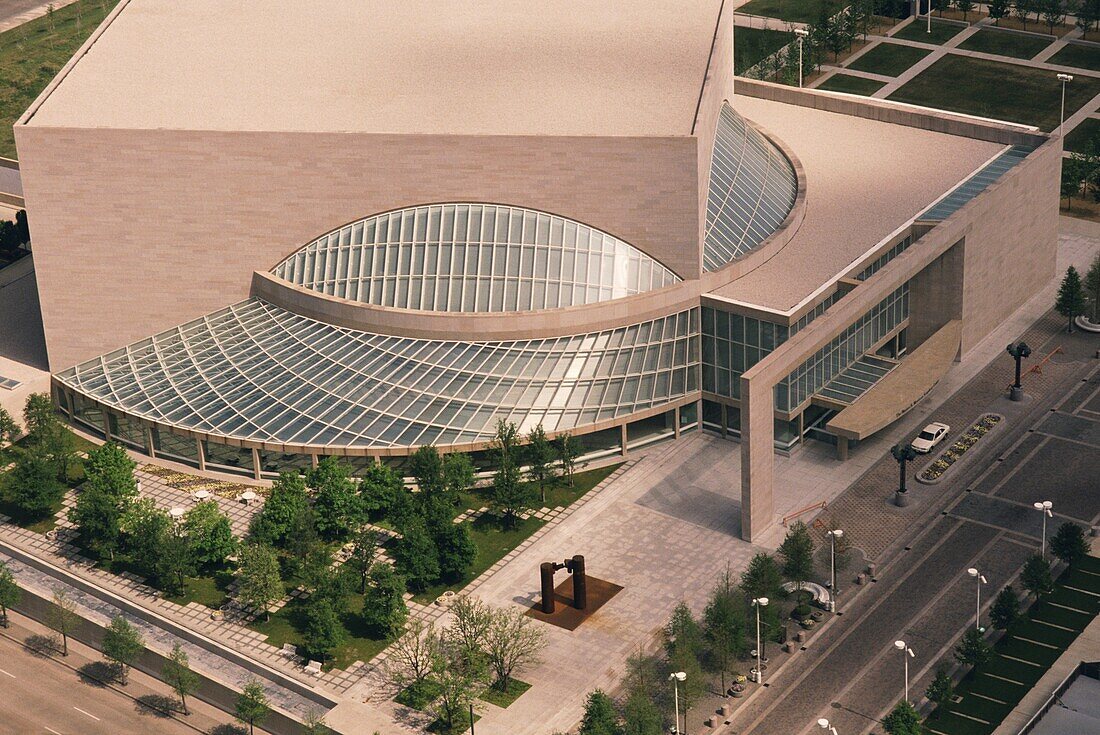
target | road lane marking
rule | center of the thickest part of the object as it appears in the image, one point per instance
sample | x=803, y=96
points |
x=55, y=732
x=6, y=673
x=86, y=713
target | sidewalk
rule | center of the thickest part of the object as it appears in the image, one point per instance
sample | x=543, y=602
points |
x=145, y=691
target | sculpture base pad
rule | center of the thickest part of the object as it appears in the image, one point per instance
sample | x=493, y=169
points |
x=568, y=617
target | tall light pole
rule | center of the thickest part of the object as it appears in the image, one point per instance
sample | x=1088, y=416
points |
x=928, y=16
x=759, y=602
x=978, y=607
x=902, y=453
x=834, y=534
x=906, y=654
x=676, y=678
x=801, y=33
x=1064, y=79
x=824, y=725
x=1044, y=508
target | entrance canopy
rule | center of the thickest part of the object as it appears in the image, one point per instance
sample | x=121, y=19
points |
x=902, y=388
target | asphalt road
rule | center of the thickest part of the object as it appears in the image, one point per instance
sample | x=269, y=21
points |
x=39, y=695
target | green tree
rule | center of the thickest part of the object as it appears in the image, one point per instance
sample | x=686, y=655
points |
x=46, y=433
x=209, y=534
x=9, y=593
x=1022, y=9
x=568, y=448
x=175, y=562
x=32, y=485
x=682, y=631
x=259, y=581
x=762, y=578
x=252, y=705
x=379, y=489
x=61, y=616
x=412, y=654
x=9, y=430
x=1069, y=543
x=38, y=415
x=641, y=716
x=540, y=456
x=1035, y=577
x=457, y=679
x=510, y=495
x=337, y=503
x=1092, y=290
x=940, y=689
x=274, y=524
x=417, y=557
x=314, y=724
x=108, y=490
x=303, y=541
x=122, y=644
x=177, y=674
x=797, y=551
x=470, y=625
x=512, y=643
x=902, y=720
x=965, y=7
x=359, y=562
x=1005, y=609
x=973, y=649
x=1073, y=175
x=600, y=717
x=145, y=528
x=426, y=466
x=458, y=474
x=455, y=548
x=724, y=628
x=1071, y=297
x=1088, y=13
x=323, y=631
x=1054, y=13
x=384, y=608
x=998, y=9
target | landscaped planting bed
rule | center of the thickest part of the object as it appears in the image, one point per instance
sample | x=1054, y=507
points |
x=753, y=45
x=851, y=84
x=942, y=32
x=934, y=471
x=1006, y=43
x=1080, y=55
x=998, y=90
x=889, y=59
x=796, y=11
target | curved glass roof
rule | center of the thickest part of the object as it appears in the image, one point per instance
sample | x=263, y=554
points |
x=752, y=190
x=473, y=258
x=254, y=371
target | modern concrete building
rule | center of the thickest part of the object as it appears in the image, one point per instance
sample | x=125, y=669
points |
x=269, y=233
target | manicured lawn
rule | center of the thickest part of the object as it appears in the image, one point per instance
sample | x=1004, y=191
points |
x=1081, y=579
x=1060, y=616
x=798, y=11
x=286, y=624
x=942, y=31
x=564, y=494
x=516, y=688
x=890, y=59
x=750, y=45
x=33, y=53
x=852, y=85
x=209, y=591
x=1006, y=43
x=997, y=90
x=461, y=725
x=956, y=725
x=1078, y=55
x=40, y=526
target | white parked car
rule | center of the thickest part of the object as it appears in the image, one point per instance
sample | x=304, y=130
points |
x=930, y=436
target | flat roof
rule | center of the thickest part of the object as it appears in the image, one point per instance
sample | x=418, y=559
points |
x=864, y=180
x=493, y=67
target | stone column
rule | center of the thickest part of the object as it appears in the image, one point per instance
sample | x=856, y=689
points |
x=256, y=469
x=202, y=455
x=676, y=420
x=842, y=448
x=622, y=439
x=757, y=458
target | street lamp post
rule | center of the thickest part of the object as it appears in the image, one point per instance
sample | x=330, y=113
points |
x=835, y=534
x=801, y=33
x=978, y=607
x=825, y=725
x=1064, y=79
x=928, y=16
x=1018, y=351
x=759, y=602
x=1044, y=508
x=906, y=654
x=676, y=678
x=902, y=453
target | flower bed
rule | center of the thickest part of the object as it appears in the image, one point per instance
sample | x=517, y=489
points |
x=934, y=471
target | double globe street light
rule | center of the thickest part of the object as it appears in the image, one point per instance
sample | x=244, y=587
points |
x=676, y=678
x=906, y=654
x=978, y=607
x=825, y=725
x=758, y=672
x=1044, y=507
